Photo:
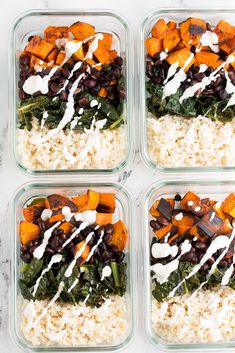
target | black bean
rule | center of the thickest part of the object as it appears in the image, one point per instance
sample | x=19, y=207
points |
x=119, y=61
x=30, y=243
x=223, y=263
x=84, y=102
x=122, y=92
x=42, y=226
x=78, y=239
x=193, y=82
x=24, y=249
x=89, y=83
x=109, y=229
x=54, y=87
x=99, y=231
x=26, y=257
x=155, y=225
x=63, y=96
x=31, y=250
x=231, y=75
x=49, y=251
x=56, y=75
x=210, y=261
x=62, y=80
x=95, y=73
x=107, y=255
x=54, y=243
x=161, y=73
x=107, y=238
x=114, y=249
x=119, y=256
x=218, y=81
x=205, y=267
x=219, y=88
x=190, y=75
x=187, y=257
x=199, y=76
x=163, y=221
x=22, y=94
x=177, y=197
x=209, y=70
x=37, y=94
x=95, y=90
x=65, y=72
x=200, y=245
x=208, y=92
x=223, y=94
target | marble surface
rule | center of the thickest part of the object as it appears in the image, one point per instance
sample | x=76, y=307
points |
x=137, y=176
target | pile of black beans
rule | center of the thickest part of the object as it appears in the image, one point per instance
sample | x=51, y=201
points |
x=92, y=82
x=156, y=71
x=104, y=252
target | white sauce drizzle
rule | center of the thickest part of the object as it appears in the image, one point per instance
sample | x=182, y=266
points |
x=228, y=273
x=167, y=237
x=211, y=40
x=94, y=45
x=161, y=250
x=197, y=209
x=55, y=259
x=171, y=72
x=70, y=48
x=37, y=83
x=172, y=86
x=190, y=203
x=44, y=118
x=163, y=55
x=66, y=212
x=106, y=272
x=39, y=251
x=218, y=243
x=46, y=214
x=73, y=285
x=212, y=216
x=179, y=216
x=162, y=272
x=87, y=216
x=190, y=91
x=93, y=103
x=230, y=89
x=95, y=246
x=74, y=234
x=202, y=67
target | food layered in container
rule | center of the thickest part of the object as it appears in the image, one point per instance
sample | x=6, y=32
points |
x=72, y=267
x=70, y=93
x=187, y=89
x=188, y=261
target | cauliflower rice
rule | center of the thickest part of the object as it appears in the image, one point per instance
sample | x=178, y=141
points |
x=205, y=316
x=71, y=150
x=66, y=324
x=175, y=141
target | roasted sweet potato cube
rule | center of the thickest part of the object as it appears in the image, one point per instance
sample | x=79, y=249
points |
x=160, y=233
x=155, y=212
x=107, y=40
x=207, y=58
x=187, y=219
x=52, y=33
x=39, y=47
x=92, y=201
x=28, y=231
x=201, y=207
x=180, y=56
x=57, y=202
x=171, y=40
x=60, y=58
x=218, y=208
x=85, y=253
x=120, y=236
x=103, y=218
x=224, y=31
x=153, y=46
x=105, y=56
x=31, y=213
x=80, y=201
x=82, y=30
x=59, y=217
x=192, y=29
x=182, y=230
x=171, y=25
x=52, y=56
x=228, y=206
x=189, y=196
x=107, y=203
x=160, y=29
x=79, y=54
x=66, y=227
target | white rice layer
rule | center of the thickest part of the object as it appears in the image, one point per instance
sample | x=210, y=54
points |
x=175, y=141
x=207, y=316
x=66, y=324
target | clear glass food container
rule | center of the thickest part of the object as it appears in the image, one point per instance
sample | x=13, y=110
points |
x=34, y=22
x=210, y=329
x=126, y=324
x=150, y=134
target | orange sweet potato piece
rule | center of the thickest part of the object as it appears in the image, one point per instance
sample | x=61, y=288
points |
x=106, y=42
x=57, y=202
x=183, y=229
x=171, y=239
x=66, y=227
x=52, y=56
x=32, y=211
x=153, y=210
x=224, y=31
x=194, y=232
x=102, y=92
x=60, y=58
x=163, y=231
x=160, y=29
x=171, y=40
x=153, y=46
x=171, y=25
x=56, y=218
x=80, y=201
x=192, y=29
x=228, y=206
x=79, y=54
x=85, y=252
x=103, y=218
x=207, y=58
x=105, y=56
x=39, y=47
x=106, y=203
x=181, y=56
x=228, y=46
x=92, y=201
x=92, y=63
x=189, y=196
x=120, y=235
x=219, y=211
x=28, y=231
x=52, y=33
x=82, y=30
x=186, y=221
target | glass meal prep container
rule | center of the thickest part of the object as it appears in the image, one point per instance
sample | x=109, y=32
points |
x=187, y=89
x=188, y=261
x=72, y=287
x=70, y=92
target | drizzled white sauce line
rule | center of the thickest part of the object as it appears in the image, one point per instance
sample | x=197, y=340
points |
x=39, y=251
x=37, y=83
x=75, y=233
x=228, y=273
x=218, y=243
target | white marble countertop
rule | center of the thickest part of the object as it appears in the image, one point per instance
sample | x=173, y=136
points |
x=137, y=177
